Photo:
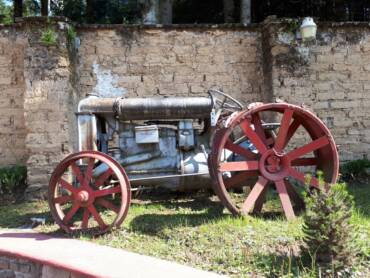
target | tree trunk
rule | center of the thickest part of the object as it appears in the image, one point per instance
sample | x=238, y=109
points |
x=90, y=11
x=44, y=7
x=18, y=8
x=150, y=11
x=245, y=11
x=166, y=11
x=228, y=11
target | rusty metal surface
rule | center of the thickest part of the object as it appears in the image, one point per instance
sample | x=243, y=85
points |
x=163, y=108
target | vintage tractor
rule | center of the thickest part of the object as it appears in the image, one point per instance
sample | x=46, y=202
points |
x=186, y=143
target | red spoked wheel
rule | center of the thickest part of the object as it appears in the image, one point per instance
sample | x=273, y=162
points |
x=89, y=192
x=246, y=153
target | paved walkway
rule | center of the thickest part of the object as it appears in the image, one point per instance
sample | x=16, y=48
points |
x=90, y=259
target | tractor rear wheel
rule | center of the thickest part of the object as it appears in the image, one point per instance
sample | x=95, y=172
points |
x=245, y=151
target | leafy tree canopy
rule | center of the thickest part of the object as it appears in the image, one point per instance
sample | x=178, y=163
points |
x=195, y=11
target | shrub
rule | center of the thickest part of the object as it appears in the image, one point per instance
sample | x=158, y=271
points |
x=328, y=234
x=354, y=169
x=12, y=179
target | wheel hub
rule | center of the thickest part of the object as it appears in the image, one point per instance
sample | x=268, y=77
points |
x=83, y=196
x=273, y=166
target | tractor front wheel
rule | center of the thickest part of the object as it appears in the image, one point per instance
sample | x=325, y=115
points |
x=89, y=192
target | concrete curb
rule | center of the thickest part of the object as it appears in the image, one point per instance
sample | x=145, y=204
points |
x=89, y=259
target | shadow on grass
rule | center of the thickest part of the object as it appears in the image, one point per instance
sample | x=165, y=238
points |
x=14, y=220
x=154, y=223
x=361, y=193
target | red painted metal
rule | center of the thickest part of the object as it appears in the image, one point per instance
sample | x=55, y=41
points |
x=274, y=162
x=82, y=192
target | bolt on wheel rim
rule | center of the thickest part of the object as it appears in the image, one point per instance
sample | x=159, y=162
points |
x=268, y=158
x=89, y=192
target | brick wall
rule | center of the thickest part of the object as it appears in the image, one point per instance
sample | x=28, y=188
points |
x=331, y=76
x=20, y=268
x=12, y=128
x=41, y=85
x=49, y=106
x=173, y=61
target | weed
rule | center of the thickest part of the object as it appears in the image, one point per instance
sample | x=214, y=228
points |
x=49, y=37
x=12, y=179
x=71, y=35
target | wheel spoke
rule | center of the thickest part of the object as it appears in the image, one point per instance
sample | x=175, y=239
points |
x=103, y=177
x=66, y=185
x=302, y=177
x=238, y=166
x=254, y=194
x=253, y=136
x=107, y=191
x=85, y=219
x=71, y=213
x=314, y=145
x=260, y=200
x=62, y=200
x=309, y=161
x=239, y=150
x=97, y=216
x=107, y=204
x=76, y=171
x=88, y=173
x=285, y=200
x=283, y=130
x=292, y=129
x=256, y=121
x=239, y=178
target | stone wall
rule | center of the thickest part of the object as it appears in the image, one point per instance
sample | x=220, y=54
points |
x=331, y=76
x=12, y=127
x=171, y=61
x=49, y=105
x=41, y=85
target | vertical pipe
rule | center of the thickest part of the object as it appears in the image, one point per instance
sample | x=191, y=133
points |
x=245, y=11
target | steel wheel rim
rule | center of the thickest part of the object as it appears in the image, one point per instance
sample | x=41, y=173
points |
x=314, y=127
x=86, y=197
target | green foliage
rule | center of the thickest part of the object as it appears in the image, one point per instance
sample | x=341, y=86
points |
x=5, y=13
x=71, y=35
x=12, y=179
x=98, y=11
x=328, y=233
x=31, y=8
x=291, y=24
x=49, y=37
x=354, y=169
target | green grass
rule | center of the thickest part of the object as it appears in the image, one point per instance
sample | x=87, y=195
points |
x=197, y=231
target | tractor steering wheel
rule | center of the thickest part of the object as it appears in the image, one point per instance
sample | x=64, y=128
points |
x=224, y=102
